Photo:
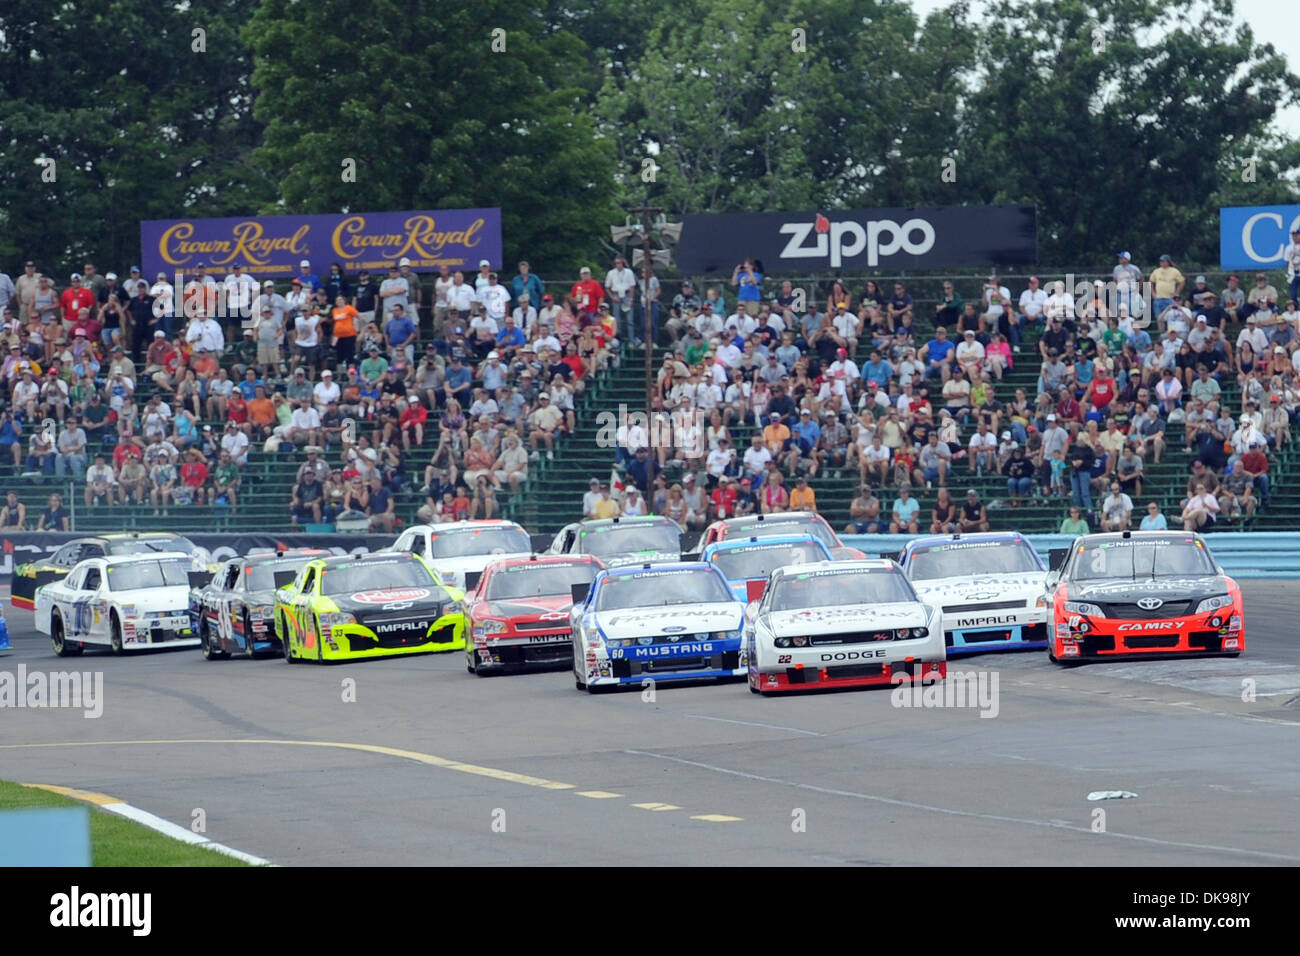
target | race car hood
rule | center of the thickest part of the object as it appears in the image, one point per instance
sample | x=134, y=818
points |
x=641, y=557
x=531, y=607
x=384, y=600
x=981, y=588
x=677, y=619
x=151, y=600
x=849, y=617
x=1125, y=590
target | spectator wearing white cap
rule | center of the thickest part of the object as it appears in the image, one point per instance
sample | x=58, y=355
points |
x=309, y=279
x=394, y=290
x=239, y=288
x=481, y=279
x=325, y=391
x=164, y=303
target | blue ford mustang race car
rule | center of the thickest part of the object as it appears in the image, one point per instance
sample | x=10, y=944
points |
x=661, y=621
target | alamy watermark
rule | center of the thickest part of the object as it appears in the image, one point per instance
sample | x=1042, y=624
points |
x=977, y=690
x=683, y=429
x=38, y=690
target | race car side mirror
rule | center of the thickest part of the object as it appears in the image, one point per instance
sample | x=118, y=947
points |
x=200, y=579
x=471, y=580
x=284, y=578
x=687, y=541
x=751, y=611
x=1056, y=558
x=580, y=591
x=539, y=543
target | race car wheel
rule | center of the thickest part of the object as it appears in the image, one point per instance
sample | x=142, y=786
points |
x=286, y=642
x=469, y=663
x=57, y=637
x=210, y=652
x=249, y=651
x=115, y=635
x=577, y=683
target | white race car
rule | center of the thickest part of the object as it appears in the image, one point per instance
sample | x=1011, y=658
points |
x=989, y=588
x=459, y=552
x=125, y=603
x=841, y=624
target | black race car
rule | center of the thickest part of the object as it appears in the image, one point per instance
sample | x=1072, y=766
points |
x=29, y=577
x=235, y=612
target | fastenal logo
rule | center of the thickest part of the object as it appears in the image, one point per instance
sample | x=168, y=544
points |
x=74, y=908
x=75, y=690
x=681, y=429
x=847, y=238
x=976, y=690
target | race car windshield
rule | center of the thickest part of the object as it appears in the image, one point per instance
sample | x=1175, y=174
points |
x=963, y=560
x=145, y=545
x=1141, y=559
x=747, y=564
x=538, y=580
x=375, y=576
x=770, y=529
x=658, y=590
x=148, y=574
x=462, y=544
x=629, y=539
x=796, y=592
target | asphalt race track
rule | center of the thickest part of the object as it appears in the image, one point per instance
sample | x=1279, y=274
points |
x=430, y=765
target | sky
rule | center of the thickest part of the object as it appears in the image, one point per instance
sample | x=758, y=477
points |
x=1272, y=21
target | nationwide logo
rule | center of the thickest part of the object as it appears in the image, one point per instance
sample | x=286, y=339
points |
x=846, y=239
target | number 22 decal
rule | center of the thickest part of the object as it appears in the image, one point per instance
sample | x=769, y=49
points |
x=783, y=658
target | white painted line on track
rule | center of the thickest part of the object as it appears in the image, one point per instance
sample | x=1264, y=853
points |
x=751, y=723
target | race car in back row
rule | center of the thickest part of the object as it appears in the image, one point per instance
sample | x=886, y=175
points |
x=31, y=575
x=459, y=552
x=1150, y=594
x=747, y=563
x=618, y=542
x=371, y=605
x=841, y=624
x=519, y=613
x=128, y=603
x=235, y=612
x=783, y=523
x=988, y=586
x=669, y=622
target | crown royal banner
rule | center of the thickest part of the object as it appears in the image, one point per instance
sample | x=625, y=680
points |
x=273, y=246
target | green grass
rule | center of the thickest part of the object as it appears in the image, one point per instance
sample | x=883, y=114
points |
x=114, y=840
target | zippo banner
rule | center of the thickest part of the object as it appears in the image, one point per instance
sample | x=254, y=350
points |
x=26, y=547
x=272, y=246
x=921, y=237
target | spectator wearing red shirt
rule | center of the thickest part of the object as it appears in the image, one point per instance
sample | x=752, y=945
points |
x=460, y=504
x=723, y=499
x=1255, y=464
x=75, y=298
x=587, y=294
x=1101, y=390
x=194, y=475
x=87, y=323
x=1068, y=408
x=126, y=448
x=575, y=362
x=237, y=410
x=413, y=419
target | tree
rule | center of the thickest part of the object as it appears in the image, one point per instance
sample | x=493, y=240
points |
x=436, y=113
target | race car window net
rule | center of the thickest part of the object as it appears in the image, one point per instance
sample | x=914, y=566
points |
x=660, y=590
x=770, y=528
x=460, y=544
x=148, y=574
x=993, y=557
x=376, y=577
x=145, y=545
x=629, y=538
x=538, y=580
x=796, y=592
x=746, y=564
x=1140, y=559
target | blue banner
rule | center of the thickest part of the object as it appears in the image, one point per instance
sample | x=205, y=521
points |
x=1254, y=237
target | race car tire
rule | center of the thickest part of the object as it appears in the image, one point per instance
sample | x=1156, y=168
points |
x=601, y=688
x=115, y=634
x=754, y=690
x=578, y=684
x=286, y=641
x=59, y=640
x=469, y=663
x=210, y=653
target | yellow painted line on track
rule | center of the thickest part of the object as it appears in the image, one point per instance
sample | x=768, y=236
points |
x=656, y=807
x=717, y=818
x=86, y=796
x=599, y=794
x=415, y=755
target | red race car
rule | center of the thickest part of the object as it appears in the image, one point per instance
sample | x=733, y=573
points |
x=1150, y=594
x=519, y=613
